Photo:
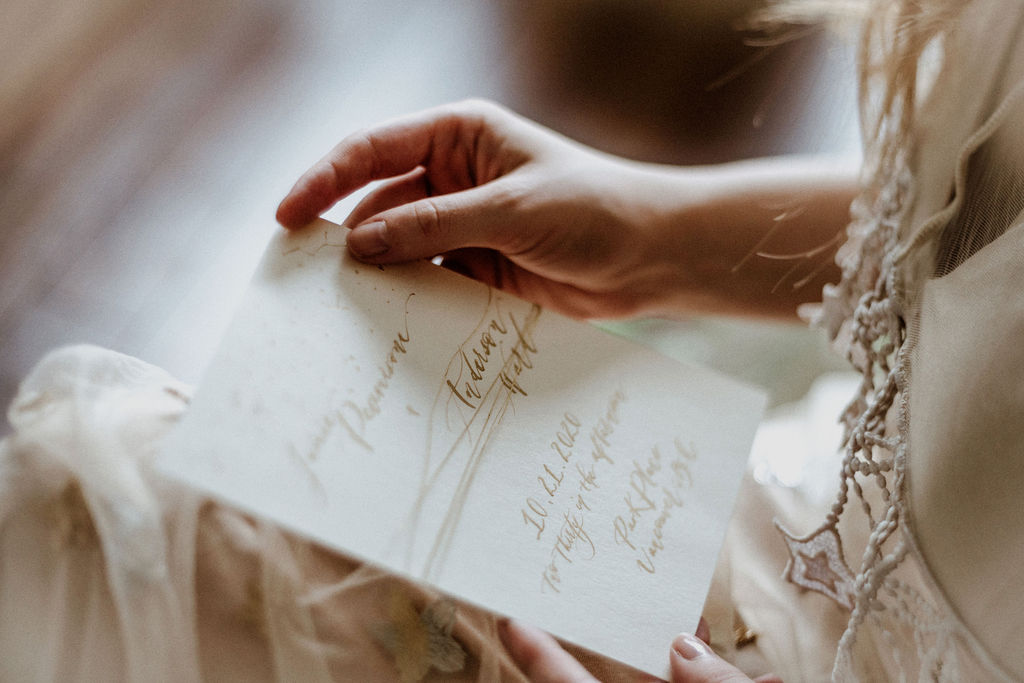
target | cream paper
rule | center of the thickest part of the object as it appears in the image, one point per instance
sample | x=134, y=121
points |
x=509, y=456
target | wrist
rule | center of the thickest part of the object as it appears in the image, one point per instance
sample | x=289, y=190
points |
x=754, y=237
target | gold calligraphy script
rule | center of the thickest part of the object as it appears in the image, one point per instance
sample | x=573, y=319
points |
x=355, y=416
x=484, y=376
x=568, y=479
x=503, y=337
x=653, y=494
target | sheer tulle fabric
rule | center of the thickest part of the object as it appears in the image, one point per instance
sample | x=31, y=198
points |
x=110, y=572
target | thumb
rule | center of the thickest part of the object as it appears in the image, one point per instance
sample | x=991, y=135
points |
x=433, y=225
x=693, y=661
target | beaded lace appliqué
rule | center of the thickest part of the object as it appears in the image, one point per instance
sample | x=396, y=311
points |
x=921, y=637
x=862, y=307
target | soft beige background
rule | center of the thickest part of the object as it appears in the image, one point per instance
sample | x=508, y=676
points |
x=144, y=144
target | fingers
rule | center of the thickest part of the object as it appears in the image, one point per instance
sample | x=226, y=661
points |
x=434, y=225
x=357, y=160
x=405, y=189
x=389, y=150
x=543, y=660
x=693, y=661
x=539, y=656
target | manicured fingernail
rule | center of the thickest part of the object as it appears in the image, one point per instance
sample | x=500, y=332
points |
x=690, y=647
x=369, y=240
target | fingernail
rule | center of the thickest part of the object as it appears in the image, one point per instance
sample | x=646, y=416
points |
x=690, y=647
x=369, y=240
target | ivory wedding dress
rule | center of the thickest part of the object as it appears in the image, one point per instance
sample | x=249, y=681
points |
x=108, y=572
x=924, y=544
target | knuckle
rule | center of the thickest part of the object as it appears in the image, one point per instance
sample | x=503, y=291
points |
x=326, y=179
x=478, y=111
x=369, y=152
x=429, y=218
x=477, y=105
x=336, y=173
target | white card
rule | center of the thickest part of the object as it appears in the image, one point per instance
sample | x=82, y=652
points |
x=507, y=455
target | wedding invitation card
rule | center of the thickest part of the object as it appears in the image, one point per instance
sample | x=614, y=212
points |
x=509, y=456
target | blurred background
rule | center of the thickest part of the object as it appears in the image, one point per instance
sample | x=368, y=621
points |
x=144, y=145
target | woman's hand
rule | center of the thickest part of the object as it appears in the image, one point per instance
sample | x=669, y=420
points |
x=505, y=201
x=691, y=660
x=590, y=235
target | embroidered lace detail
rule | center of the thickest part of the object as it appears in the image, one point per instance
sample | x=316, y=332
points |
x=913, y=632
x=901, y=626
x=863, y=310
x=817, y=563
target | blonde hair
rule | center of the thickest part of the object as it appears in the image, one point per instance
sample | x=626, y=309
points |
x=893, y=74
x=901, y=49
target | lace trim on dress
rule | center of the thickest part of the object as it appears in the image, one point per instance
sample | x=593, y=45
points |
x=921, y=635
x=875, y=330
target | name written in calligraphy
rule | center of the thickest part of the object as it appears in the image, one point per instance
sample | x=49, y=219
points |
x=354, y=416
x=502, y=337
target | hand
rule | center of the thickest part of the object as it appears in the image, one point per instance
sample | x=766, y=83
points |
x=691, y=660
x=505, y=201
